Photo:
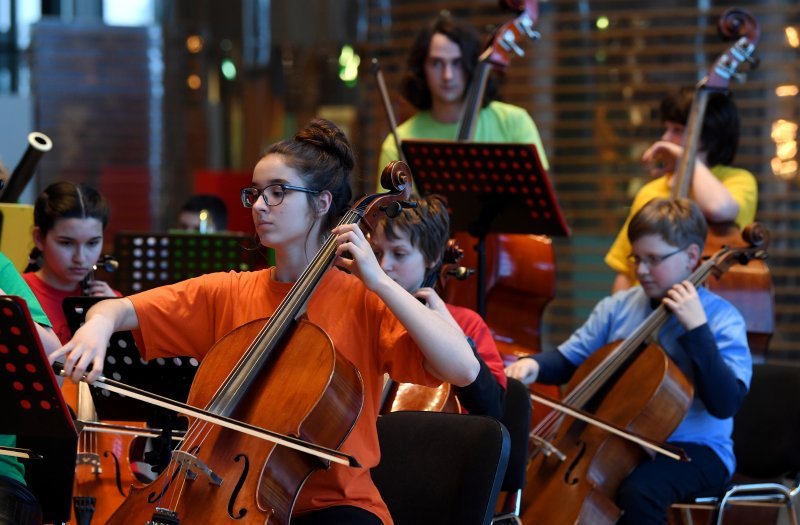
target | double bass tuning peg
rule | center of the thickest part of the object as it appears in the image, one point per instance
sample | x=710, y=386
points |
x=754, y=61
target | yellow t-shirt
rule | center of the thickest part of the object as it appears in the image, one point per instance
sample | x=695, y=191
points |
x=741, y=183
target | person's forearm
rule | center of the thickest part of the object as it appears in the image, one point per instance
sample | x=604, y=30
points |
x=714, y=199
x=447, y=353
x=119, y=313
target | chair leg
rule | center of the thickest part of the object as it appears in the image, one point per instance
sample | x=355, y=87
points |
x=792, y=511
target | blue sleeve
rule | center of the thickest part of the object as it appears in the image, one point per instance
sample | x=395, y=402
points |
x=592, y=335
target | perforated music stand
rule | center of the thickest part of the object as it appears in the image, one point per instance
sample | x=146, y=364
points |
x=34, y=410
x=490, y=188
x=169, y=377
x=148, y=260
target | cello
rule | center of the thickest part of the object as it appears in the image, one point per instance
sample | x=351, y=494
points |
x=749, y=288
x=219, y=476
x=576, y=469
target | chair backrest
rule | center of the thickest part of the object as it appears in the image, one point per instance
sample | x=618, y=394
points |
x=440, y=468
x=766, y=430
x=517, y=419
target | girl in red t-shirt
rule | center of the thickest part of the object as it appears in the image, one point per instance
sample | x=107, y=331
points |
x=68, y=224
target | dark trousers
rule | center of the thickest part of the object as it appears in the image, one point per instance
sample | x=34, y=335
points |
x=17, y=505
x=342, y=515
x=646, y=495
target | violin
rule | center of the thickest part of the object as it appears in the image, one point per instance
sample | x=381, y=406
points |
x=749, y=288
x=226, y=471
x=106, y=262
x=575, y=469
x=397, y=397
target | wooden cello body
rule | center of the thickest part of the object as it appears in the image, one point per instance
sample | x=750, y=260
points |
x=650, y=398
x=103, y=474
x=255, y=482
x=520, y=282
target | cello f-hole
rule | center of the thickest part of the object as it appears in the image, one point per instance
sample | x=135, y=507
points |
x=153, y=497
x=117, y=471
x=568, y=478
x=238, y=487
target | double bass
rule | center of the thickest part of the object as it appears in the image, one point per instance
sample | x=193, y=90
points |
x=575, y=469
x=217, y=475
x=749, y=288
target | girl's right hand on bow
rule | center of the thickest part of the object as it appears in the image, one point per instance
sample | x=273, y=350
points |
x=87, y=347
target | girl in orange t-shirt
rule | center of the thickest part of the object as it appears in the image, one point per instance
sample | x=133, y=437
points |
x=299, y=189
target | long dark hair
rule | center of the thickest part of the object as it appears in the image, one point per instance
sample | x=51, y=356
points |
x=415, y=88
x=65, y=200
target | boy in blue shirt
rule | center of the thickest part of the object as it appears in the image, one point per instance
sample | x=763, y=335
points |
x=705, y=337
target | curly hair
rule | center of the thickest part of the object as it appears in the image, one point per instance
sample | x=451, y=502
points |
x=415, y=88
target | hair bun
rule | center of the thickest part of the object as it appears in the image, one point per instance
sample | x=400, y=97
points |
x=325, y=135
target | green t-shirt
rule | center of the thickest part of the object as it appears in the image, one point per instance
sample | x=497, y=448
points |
x=497, y=122
x=12, y=284
x=739, y=182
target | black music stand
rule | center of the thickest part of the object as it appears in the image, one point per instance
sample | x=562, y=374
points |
x=170, y=377
x=147, y=260
x=490, y=188
x=34, y=410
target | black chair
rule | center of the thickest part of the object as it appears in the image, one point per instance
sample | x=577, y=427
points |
x=517, y=419
x=766, y=436
x=440, y=468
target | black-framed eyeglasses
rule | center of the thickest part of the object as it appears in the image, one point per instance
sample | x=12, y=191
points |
x=273, y=194
x=651, y=260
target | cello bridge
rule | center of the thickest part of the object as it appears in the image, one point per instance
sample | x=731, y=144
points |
x=547, y=448
x=91, y=459
x=193, y=466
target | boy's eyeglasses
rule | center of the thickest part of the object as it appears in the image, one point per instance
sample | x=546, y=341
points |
x=273, y=194
x=651, y=260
